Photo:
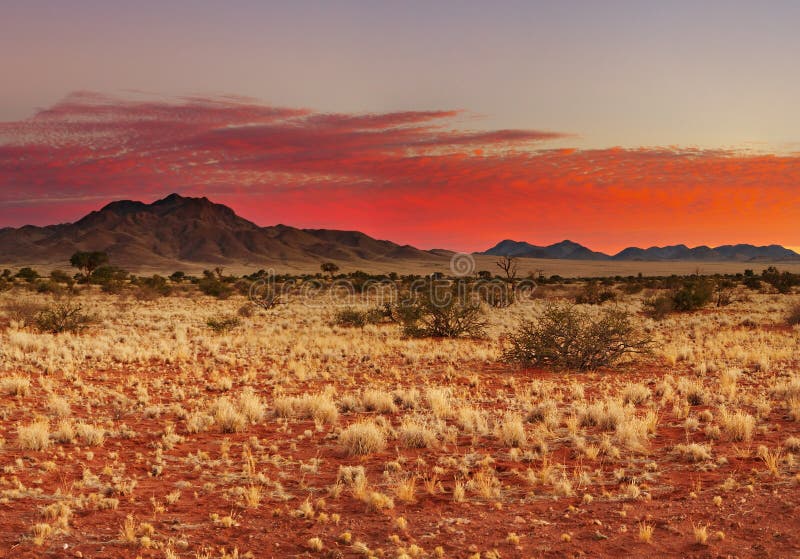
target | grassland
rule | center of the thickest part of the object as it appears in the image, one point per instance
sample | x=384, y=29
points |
x=148, y=434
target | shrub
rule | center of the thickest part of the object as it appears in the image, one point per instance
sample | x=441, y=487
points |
x=28, y=274
x=659, y=307
x=688, y=295
x=794, y=315
x=632, y=288
x=448, y=312
x=350, y=317
x=782, y=281
x=567, y=337
x=694, y=293
x=593, y=295
x=214, y=287
x=110, y=278
x=752, y=282
x=22, y=311
x=153, y=287
x=60, y=276
x=35, y=436
x=223, y=323
x=362, y=438
x=62, y=317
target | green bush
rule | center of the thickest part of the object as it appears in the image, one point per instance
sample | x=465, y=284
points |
x=567, y=337
x=60, y=276
x=782, y=281
x=214, y=287
x=153, y=287
x=752, y=282
x=111, y=279
x=28, y=275
x=693, y=294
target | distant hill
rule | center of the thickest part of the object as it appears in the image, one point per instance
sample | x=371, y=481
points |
x=574, y=251
x=195, y=230
x=180, y=231
x=562, y=250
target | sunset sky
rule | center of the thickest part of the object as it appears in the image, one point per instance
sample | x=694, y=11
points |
x=439, y=124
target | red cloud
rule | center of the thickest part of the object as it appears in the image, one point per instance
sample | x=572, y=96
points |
x=409, y=176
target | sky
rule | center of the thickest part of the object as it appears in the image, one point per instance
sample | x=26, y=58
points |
x=438, y=124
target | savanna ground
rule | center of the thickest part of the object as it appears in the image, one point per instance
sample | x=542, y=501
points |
x=150, y=435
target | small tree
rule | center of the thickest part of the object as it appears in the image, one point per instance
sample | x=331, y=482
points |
x=509, y=266
x=88, y=262
x=329, y=268
x=567, y=337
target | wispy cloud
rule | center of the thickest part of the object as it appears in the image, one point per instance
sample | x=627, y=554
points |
x=414, y=176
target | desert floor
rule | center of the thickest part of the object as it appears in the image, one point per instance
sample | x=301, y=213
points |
x=148, y=435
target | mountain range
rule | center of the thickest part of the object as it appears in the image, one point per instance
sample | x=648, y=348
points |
x=575, y=251
x=179, y=230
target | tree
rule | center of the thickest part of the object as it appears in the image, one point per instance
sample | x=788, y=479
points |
x=329, y=268
x=509, y=266
x=88, y=262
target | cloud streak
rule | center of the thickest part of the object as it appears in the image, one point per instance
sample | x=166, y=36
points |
x=415, y=176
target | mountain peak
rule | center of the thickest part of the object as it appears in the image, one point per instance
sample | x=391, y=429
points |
x=179, y=229
x=177, y=199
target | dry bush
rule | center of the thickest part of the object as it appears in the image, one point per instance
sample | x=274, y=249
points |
x=378, y=400
x=694, y=452
x=793, y=318
x=511, y=431
x=362, y=438
x=35, y=436
x=635, y=394
x=738, y=426
x=250, y=405
x=565, y=336
x=90, y=435
x=442, y=313
x=223, y=323
x=227, y=417
x=22, y=312
x=15, y=386
x=416, y=433
x=62, y=317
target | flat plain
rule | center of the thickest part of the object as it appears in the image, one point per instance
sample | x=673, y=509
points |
x=149, y=434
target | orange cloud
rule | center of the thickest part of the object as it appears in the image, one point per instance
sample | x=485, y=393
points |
x=413, y=177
